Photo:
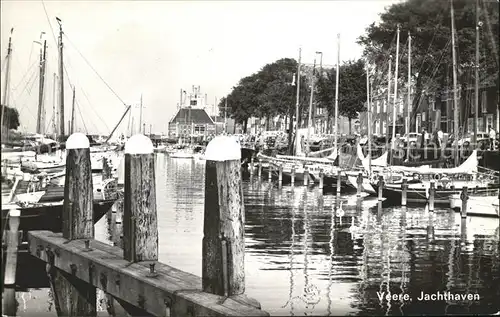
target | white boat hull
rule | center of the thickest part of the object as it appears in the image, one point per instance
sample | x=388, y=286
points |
x=477, y=205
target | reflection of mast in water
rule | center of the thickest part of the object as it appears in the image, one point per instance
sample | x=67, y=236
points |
x=292, y=246
x=330, y=282
x=311, y=292
x=386, y=260
x=402, y=285
x=451, y=272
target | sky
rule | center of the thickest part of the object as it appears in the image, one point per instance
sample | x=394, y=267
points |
x=156, y=48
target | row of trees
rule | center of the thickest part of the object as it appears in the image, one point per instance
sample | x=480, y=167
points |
x=269, y=92
x=272, y=91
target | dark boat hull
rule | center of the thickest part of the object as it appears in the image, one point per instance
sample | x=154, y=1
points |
x=49, y=217
x=441, y=196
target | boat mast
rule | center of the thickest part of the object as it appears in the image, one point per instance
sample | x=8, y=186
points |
x=393, y=141
x=337, y=94
x=369, y=123
x=121, y=119
x=476, y=71
x=5, y=98
x=61, y=82
x=309, y=123
x=455, y=92
x=72, y=126
x=388, y=102
x=225, y=117
x=140, y=117
x=297, y=103
x=54, y=110
x=40, y=125
x=408, y=104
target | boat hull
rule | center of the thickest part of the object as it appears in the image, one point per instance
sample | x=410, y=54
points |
x=477, y=205
x=49, y=216
x=393, y=193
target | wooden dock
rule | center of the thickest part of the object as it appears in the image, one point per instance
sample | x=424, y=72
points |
x=135, y=282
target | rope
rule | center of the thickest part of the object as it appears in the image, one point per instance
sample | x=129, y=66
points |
x=93, y=109
x=81, y=116
x=88, y=63
x=50, y=24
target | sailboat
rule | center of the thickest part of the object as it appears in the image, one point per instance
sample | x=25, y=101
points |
x=299, y=162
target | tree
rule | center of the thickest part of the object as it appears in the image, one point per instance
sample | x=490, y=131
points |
x=266, y=93
x=352, y=90
x=11, y=118
x=429, y=23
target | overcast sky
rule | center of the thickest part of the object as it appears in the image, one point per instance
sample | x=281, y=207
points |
x=158, y=47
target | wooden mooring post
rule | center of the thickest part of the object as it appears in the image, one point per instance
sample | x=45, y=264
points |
x=464, y=196
x=260, y=169
x=404, y=191
x=380, y=187
x=432, y=193
x=9, y=280
x=71, y=297
x=321, y=175
x=339, y=184
x=359, y=182
x=292, y=180
x=140, y=226
x=252, y=165
x=270, y=172
x=223, y=241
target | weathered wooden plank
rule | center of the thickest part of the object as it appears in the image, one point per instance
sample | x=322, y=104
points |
x=223, y=267
x=140, y=228
x=104, y=267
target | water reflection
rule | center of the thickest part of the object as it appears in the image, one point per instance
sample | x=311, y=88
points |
x=309, y=254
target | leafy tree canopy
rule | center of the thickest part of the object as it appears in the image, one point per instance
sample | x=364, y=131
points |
x=429, y=23
x=352, y=89
x=11, y=118
x=266, y=93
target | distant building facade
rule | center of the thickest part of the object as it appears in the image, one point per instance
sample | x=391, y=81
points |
x=191, y=118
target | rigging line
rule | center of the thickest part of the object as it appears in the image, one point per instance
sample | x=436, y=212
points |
x=26, y=102
x=490, y=33
x=25, y=87
x=50, y=24
x=88, y=63
x=49, y=123
x=24, y=76
x=4, y=64
x=426, y=52
x=31, y=52
x=81, y=116
x=436, y=68
x=93, y=109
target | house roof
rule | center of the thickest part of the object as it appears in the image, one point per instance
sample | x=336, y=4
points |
x=187, y=115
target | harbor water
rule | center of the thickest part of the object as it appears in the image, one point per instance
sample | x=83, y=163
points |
x=307, y=255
